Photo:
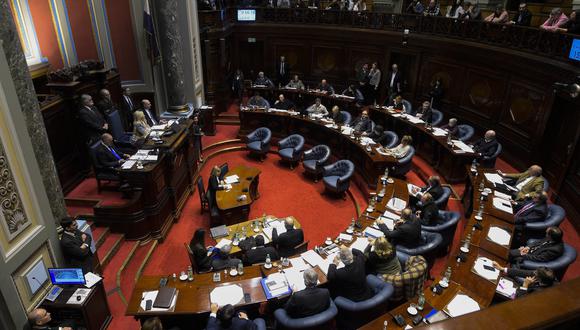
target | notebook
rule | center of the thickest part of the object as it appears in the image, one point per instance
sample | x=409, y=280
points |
x=164, y=297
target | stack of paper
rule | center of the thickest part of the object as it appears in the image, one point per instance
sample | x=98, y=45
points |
x=372, y=232
x=347, y=130
x=232, y=179
x=462, y=304
x=502, y=205
x=360, y=244
x=345, y=237
x=415, y=120
x=223, y=242
x=480, y=265
x=298, y=264
x=367, y=140
x=128, y=164
x=312, y=258
x=499, y=236
x=506, y=287
x=391, y=215
x=271, y=224
x=159, y=127
x=390, y=223
x=295, y=279
x=501, y=195
x=91, y=279
x=493, y=177
x=462, y=146
x=439, y=132
x=276, y=110
x=396, y=204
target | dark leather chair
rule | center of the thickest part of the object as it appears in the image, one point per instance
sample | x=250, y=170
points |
x=556, y=215
x=314, y=321
x=203, y=201
x=444, y=198
x=259, y=141
x=489, y=161
x=404, y=164
x=354, y=314
x=391, y=139
x=436, y=118
x=347, y=117
x=290, y=148
x=559, y=265
x=465, y=132
x=315, y=159
x=427, y=247
x=224, y=168
x=101, y=173
x=122, y=138
x=408, y=107
x=301, y=248
x=336, y=177
x=193, y=262
x=446, y=228
x=546, y=184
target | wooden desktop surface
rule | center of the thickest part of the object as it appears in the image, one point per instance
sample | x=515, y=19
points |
x=228, y=199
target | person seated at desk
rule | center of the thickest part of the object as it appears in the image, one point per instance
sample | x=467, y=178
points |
x=362, y=124
x=325, y=87
x=286, y=242
x=352, y=91
x=201, y=254
x=283, y=103
x=154, y=323
x=381, y=258
x=310, y=301
x=258, y=253
x=534, y=280
x=396, y=104
x=350, y=281
x=76, y=246
x=317, y=108
x=257, y=101
x=547, y=249
x=402, y=149
x=226, y=318
x=222, y=258
x=107, y=155
x=378, y=135
x=433, y=187
x=487, y=145
x=336, y=115
x=533, y=210
x=262, y=80
x=150, y=115
x=425, y=112
x=407, y=231
x=40, y=318
x=452, y=128
x=427, y=211
x=528, y=183
x=140, y=128
x=295, y=83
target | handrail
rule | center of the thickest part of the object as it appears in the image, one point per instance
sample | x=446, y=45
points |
x=521, y=38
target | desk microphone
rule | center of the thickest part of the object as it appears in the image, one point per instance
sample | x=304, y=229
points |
x=42, y=286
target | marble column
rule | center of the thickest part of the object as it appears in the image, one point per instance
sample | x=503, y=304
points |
x=170, y=38
x=29, y=103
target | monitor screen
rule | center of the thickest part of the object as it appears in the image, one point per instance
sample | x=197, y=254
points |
x=64, y=276
x=575, y=50
x=246, y=15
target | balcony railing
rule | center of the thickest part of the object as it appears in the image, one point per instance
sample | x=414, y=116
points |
x=527, y=39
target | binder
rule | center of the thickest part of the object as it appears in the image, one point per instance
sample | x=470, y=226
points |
x=164, y=297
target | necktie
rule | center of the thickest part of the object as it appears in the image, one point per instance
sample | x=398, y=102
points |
x=282, y=68
x=114, y=153
x=524, y=209
x=153, y=121
x=129, y=102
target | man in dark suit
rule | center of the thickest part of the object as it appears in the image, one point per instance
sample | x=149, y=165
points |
x=425, y=112
x=105, y=103
x=40, y=318
x=92, y=121
x=350, y=281
x=363, y=124
x=76, y=246
x=150, y=115
x=378, y=135
x=283, y=103
x=532, y=211
x=336, y=115
x=428, y=212
x=107, y=154
x=325, y=87
x=227, y=318
x=547, y=249
x=394, y=82
x=452, y=128
x=310, y=301
x=534, y=280
x=283, y=71
x=407, y=231
x=258, y=253
x=127, y=108
x=523, y=17
x=355, y=92
x=286, y=242
x=486, y=147
x=238, y=84
x=433, y=187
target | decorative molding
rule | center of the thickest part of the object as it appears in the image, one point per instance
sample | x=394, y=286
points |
x=27, y=32
x=63, y=32
x=100, y=22
x=12, y=214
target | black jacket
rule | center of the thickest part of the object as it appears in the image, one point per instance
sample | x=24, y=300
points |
x=541, y=251
x=258, y=255
x=212, y=187
x=397, y=82
x=106, y=159
x=307, y=302
x=407, y=234
x=283, y=78
x=486, y=148
x=350, y=281
x=74, y=256
x=523, y=18
x=202, y=260
x=429, y=214
x=237, y=324
x=285, y=105
x=286, y=242
x=378, y=137
x=453, y=131
x=523, y=273
x=427, y=115
x=105, y=106
x=92, y=123
x=362, y=125
x=338, y=117
x=536, y=213
x=435, y=191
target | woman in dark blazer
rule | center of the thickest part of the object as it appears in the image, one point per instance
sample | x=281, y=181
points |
x=382, y=258
x=200, y=253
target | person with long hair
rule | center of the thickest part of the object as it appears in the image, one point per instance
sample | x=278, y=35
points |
x=201, y=255
x=402, y=149
x=382, y=258
x=140, y=127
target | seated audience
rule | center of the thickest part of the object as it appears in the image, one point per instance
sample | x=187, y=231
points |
x=310, y=301
x=472, y=12
x=283, y=103
x=573, y=25
x=547, y=249
x=499, y=16
x=528, y=183
x=352, y=91
x=425, y=112
x=76, y=246
x=381, y=258
x=325, y=87
x=534, y=280
x=108, y=156
x=262, y=80
x=317, y=108
x=201, y=254
x=556, y=20
x=487, y=145
x=362, y=124
x=286, y=242
x=456, y=10
x=226, y=318
x=140, y=127
x=336, y=115
x=408, y=283
x=523, y=17
x=452, y=128
x=222, y=258
x=258, y=101
x=432, y=9
x=397, y=104
x=360, y=5
x=402, y=149
x=295, y=83
x=40, y=318
x=258, y=253
x=349, y=281
x=92, y=121
x=407, y=231
x=105, y=104
x=378, y=135
x=427, y=211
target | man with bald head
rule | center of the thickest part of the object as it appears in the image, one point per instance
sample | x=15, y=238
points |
x=285, y=242
x=107, y=155
x=92, y=121
x=350, y=281
x=310, y=301
x=150, y=115
x=529, y=183
x=486, y=148
x=325, y=87
x=407, y=231
x=40, y=318
x=262, y=80
x=105, y=103
x=452, y=128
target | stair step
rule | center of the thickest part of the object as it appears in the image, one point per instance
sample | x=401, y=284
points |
x=233, y=122
x=224, y=115
x=100, y=234
x=133, y=267
x=109, y=248
x=124, y=252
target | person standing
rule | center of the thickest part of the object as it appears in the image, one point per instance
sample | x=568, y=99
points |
x=76, y=246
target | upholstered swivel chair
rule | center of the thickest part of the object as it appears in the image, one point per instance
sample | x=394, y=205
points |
x=101, y=173
x=203, y=200
x=347, y=117
x=446, y=227
x=284, y=321
x=121, y=137
x=409, y=107
x=336, y=177
x=444, y=198
x=556, y=215
x=427, y=247
x=404, y=164
x=259, y=142
x=465, y=132
x=290, y=149
x=224, y=169
x=315, y=159
x=436, y=118
x=354, y=314
x=559, y=265
x=489, y=161
x=391, y=139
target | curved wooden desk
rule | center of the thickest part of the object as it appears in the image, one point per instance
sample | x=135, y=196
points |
x=231, y=208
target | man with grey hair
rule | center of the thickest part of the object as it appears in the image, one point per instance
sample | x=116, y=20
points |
x=285, y=242
x=262, y=80
x=310, y=301
x=486, y=148
x=349, y=281
x=556, y=20
x=452, y=128
x=91, y=119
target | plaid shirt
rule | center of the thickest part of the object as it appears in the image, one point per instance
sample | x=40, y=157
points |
x=408, y=283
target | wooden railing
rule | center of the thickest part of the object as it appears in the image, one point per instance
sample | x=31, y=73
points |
x=526, y=39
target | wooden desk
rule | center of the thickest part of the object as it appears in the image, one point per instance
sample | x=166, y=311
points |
x=233, y=210
x=304, y=98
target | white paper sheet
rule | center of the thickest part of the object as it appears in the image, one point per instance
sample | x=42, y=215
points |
x=390, y=215
x=223, y=242
x=374, y=233
x=325, y=264
x=159, y=127
x=91, y=279
x=501, y=195
x=127, y=165
x=232, y=179
x=345, y=237
x=295, y=279
x=227, y=294
x=390, y=223
x=499, y=236
x=360, y=244
x=271, y=224
x=415, y=120
x=413, y=189
x=151, y=157
x=506, y=287
x=439, y=132
x=493, y=177
x=298, y=264
x=462, y=146
x=502, y=205
x=347, y=130
x=462, y=304
x=312, y=258
x=491, y=275
x=396, y=204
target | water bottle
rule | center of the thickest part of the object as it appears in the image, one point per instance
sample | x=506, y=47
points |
x=241, y=269
x=449, y=139
x=385, y=325
x=387, y=172
x=447, y=275
x=467, y=241
x=351, y=227
x=268, y=261
x=421, y=301
x=481, y=187
x=189, y=273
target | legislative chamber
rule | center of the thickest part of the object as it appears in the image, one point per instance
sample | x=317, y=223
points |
x=289, y=164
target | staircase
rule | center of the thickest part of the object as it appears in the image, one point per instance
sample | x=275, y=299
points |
x=226, y=118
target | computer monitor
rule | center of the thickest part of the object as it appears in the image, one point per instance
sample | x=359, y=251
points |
x=66, y=276
x=246, y=15
x=575, y=50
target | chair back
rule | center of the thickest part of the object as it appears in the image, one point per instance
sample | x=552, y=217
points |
x=404, y=164
x=556, y=215
x=347, y=117
x=191, y=257
x=301, y=248
x=465, y=132
x=313, y=321
x=444, y=198
x=391, y=139
x=408, y=107
x=224, y=168
x=446, y=228
x=546, y=184
x=437, y=117
x=321, y=153
x=117, y=130
x=201, y=190
x=93, y=152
